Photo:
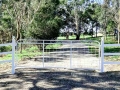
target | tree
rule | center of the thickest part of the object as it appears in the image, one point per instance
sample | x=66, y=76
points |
x=116, y=9
x=21, y=13
x=5, y=24
x=47, y=22
x=107, y=18
x=74, y=13
x=91, y=15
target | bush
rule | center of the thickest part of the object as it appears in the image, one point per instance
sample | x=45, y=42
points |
x=5, y=48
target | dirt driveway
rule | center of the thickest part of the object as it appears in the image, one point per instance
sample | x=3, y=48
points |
x=58, y=79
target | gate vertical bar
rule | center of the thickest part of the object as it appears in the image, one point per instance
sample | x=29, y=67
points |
x=99, y=56
x=13, y=55
x=102, y=54
x=43, y=53
x=71, y=54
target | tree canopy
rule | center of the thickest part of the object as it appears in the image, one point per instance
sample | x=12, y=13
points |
x=43, y=19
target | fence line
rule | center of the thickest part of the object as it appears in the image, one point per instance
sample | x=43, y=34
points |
x=107, y=54
x=13, y=44
x=103, y=54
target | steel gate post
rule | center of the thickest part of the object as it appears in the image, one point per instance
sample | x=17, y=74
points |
x=71, y=54
x=102, y=54
x=13, y=55
x=43, y=53
x=99, y=56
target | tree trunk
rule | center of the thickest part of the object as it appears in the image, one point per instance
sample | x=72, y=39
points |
x=67, y=35
x=18, y=30
x=105, y=33
x=92, y=31
x=118, y=34
x=76, y=22
x=118, y=37
x=96, y=31
x=77, y=37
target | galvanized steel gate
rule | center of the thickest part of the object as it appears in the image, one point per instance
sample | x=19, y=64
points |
x=81, y=54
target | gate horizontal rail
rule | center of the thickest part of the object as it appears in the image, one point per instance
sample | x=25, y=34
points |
x=67, y=52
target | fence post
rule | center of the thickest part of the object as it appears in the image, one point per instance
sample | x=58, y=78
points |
x=43, y=53
x=71, y=54
x=102, y=54
x=13, y=54
x=99, y=56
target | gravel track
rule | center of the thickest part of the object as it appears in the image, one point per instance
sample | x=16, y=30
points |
x=58, y=79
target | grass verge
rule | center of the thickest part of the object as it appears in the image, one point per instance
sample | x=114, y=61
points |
x=29, y=51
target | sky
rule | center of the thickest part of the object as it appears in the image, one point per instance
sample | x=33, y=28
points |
x=98, y=1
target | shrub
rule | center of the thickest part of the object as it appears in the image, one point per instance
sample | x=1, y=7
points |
x=5, y=48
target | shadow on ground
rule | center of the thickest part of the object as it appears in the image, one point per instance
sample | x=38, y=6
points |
x=56, y=79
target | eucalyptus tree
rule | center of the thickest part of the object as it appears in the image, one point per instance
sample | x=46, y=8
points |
x=104, y=16
x=95, y=16
x=116, y=11
x=21, y=14
x=92, y=13
x=64, y=11
x=107, y=17
x=80, y=17
x=75, y=14
x=5, y=25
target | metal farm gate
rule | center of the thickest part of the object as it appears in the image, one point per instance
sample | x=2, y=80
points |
x=72, y=54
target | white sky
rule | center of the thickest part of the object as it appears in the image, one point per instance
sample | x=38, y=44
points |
x=98, y=1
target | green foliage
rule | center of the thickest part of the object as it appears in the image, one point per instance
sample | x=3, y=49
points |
x=32, y=49
x=5, y=48
x=53, y=46
x=112, y=49
x=28, y=51
x=110, y=40
x=47, y=23
x=28, y=18
x=111, y=26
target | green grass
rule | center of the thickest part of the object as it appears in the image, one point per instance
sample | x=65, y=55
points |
x=29, y=52
x=112, y=58
x=109, y=40
x=35, y=51
x=64, y=38
x=107, y=50
x=53, y=46
x=112, y=50
x=6, y=57
x=73, y=37
x=26, y=53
